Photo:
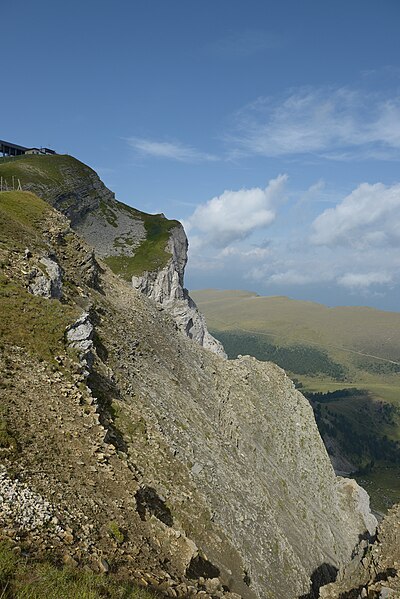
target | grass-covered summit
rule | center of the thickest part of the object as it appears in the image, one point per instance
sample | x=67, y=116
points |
x=130, y=241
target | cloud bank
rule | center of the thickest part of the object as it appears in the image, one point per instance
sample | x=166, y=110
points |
x=352, y=246
x=235, y=215
x=369, y=216
x=364, y=280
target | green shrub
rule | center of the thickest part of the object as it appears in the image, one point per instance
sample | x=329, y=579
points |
x=115, y=532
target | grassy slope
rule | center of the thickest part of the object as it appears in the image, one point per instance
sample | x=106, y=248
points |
x=59, y=174
x=22, y=579
x=28, y=321
x=45, y=170
x=37, y=325
x=21, y=214
x=354, y=328
x=151, y=255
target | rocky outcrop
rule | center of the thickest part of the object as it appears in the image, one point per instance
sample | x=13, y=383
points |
x=166, y=288
x=80, y=337
x=374, y=571
x=76, y=191
x=45, y=279
x=356, y=496
x=115, y=230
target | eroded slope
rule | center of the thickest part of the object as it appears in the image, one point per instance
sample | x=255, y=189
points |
x=166, y=462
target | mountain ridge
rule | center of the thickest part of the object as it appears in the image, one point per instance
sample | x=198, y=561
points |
x=211, y=473
x=149, y=250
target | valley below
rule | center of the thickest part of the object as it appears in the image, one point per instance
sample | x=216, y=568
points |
x=345, y=360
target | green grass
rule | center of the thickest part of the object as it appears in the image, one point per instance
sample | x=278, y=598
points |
x=151, y=254
x=22, y=579
x=11, y=158
x=31, y=322
x=43, y=170
x=21, y=216
x=116, y=532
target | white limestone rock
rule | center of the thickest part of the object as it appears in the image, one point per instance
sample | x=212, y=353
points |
x=166, y=287
x=80, y=336
x=46, y=282
x=357, y=500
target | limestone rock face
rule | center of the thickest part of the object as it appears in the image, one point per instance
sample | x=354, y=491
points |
x=80, y=337
x=166, y=287
x=256, y=462
x=46, y=280
x=116, y=230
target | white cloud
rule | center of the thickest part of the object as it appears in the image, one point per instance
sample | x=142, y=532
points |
x=363, y=280
x=368, y=217
x=337, y=123
x=169, y=150
x=352, y=250
x=235, y=215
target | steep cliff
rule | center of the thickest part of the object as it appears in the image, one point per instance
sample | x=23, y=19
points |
x=148, y=249
x=127, y=447
x=166, y=287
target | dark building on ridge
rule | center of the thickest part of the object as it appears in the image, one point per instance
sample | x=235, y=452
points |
x=9, y=149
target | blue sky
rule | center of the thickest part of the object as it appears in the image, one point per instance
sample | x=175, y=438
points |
x=271, y=129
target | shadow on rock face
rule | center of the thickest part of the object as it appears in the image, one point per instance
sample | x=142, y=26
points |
x=324, y=574
x=149, y=503
x=200, y=566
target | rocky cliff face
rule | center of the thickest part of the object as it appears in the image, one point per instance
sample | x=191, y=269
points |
x=138, y=451
x=118, y=233
x=166, y=288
